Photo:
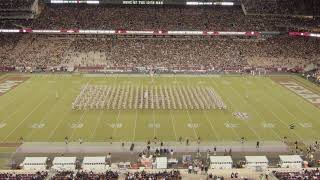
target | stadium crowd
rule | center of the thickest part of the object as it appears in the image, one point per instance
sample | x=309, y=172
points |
x=172, y=175
x=23, y=176
x=283, y=7
x=42, y=52
x=15, y=4
x=70, y=175
x=299, y=175
x=157, y=18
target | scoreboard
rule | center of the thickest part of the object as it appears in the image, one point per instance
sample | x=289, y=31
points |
x=150, y=2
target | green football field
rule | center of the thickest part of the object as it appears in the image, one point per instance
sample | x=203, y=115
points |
x=39, y=110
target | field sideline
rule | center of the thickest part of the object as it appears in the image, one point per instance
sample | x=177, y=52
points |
x=39, y=110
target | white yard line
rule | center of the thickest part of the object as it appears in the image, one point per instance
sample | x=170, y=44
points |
x=59, y=124
x=190, y=120
x=97, y=124
x=46, y=115
x=236, y=92
x=300, y=99
x=292, y=115
x=285, y=124
x=174, y=128
x=115, y=128
x=82, y=116
x=260, y=117
x=21, y=122
x=179, y=93
x=135, y=126
x=206, y=116
x=61, y=120
x=12, y=114
x=212, y=127
x=220, y=94
x=80, y=121
x=42, y=120
x=154, y=123
x=11, y=100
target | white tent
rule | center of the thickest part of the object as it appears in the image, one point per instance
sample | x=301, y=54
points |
x=34, y=163
x=254, y=162
x=96, y=164
x=161, y=162
x=221, y=162
x=64, y=163
x=290, y=161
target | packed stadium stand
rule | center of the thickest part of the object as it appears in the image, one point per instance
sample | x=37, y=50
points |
x=157, y=18
x=85, y=175
x=208, y=54
x=18, y=9
x=263, y=35
x=23, y=176
x=282, y=7
x=295, y=175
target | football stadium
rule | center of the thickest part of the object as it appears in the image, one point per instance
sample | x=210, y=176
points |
x=164, y=89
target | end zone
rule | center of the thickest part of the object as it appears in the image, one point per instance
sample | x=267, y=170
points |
x=10, y=82
x=300, y=89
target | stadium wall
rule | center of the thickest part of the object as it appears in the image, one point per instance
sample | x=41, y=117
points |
x=159, y=32
x=148, y=2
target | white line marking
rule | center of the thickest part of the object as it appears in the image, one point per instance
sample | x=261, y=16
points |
x=117, y=121
x=245, y=102
x=260, y=117
x=135, y=126
x=59, y=124
x=285, y=124
x=292, y=115
x=174, y=128
x=212, y=127
x=97, y=124
x=34, y=109
x=230, y=105
x=80, y=121
x=189, y=117
x=154, y=123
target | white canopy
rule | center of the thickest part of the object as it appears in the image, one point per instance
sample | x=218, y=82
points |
x=97, y=163
x=290, y=158
x=94, y=160
x=64, y=163
x=221, y=162
x=35, y=163
x=256, y=161
x=290, y=161
x=161, y=162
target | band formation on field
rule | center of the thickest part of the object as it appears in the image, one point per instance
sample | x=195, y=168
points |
x=147, y=97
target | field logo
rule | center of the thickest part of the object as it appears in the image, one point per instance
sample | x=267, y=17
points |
x=267, y=125
x=154, y=125
x=2, y=125
x=116, y=125
x=241, y=115
x=193, y=125
x=231, y=125
x=38, y=126
x=306, y=125
x=303, y=92
x=8, y=85
x=76, y=125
